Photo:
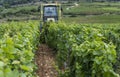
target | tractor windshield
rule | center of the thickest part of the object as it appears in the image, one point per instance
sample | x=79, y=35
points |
x=50, y=11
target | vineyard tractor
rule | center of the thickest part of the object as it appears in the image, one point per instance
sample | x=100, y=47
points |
x=50, y=12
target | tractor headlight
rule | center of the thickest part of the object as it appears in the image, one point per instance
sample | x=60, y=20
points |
x=51, y=19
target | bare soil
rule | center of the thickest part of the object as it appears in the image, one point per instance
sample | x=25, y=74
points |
x=45, y=59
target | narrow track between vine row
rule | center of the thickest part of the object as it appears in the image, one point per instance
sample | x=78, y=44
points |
x=45, y=59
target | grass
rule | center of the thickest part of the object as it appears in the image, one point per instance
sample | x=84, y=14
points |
x=18, y=9
x=83, y=13
x=93, y=13
x=93, y=19
x=93, y=9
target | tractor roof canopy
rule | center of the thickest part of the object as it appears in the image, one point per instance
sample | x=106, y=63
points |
x=51, y=4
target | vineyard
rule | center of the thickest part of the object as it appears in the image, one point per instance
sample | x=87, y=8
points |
x=82, y=50
x=18, y=42
x=86, y=50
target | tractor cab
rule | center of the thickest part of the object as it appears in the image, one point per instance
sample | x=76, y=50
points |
x=50, y=12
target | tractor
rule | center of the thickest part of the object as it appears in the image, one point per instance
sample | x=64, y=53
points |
x=50, y=12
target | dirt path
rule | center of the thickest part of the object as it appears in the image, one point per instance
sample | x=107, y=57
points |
x=45, y=60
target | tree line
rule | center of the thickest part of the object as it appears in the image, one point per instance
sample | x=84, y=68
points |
x=7, y=3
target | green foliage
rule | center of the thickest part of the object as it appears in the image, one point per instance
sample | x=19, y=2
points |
x=17, y=46
x=83, y=50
